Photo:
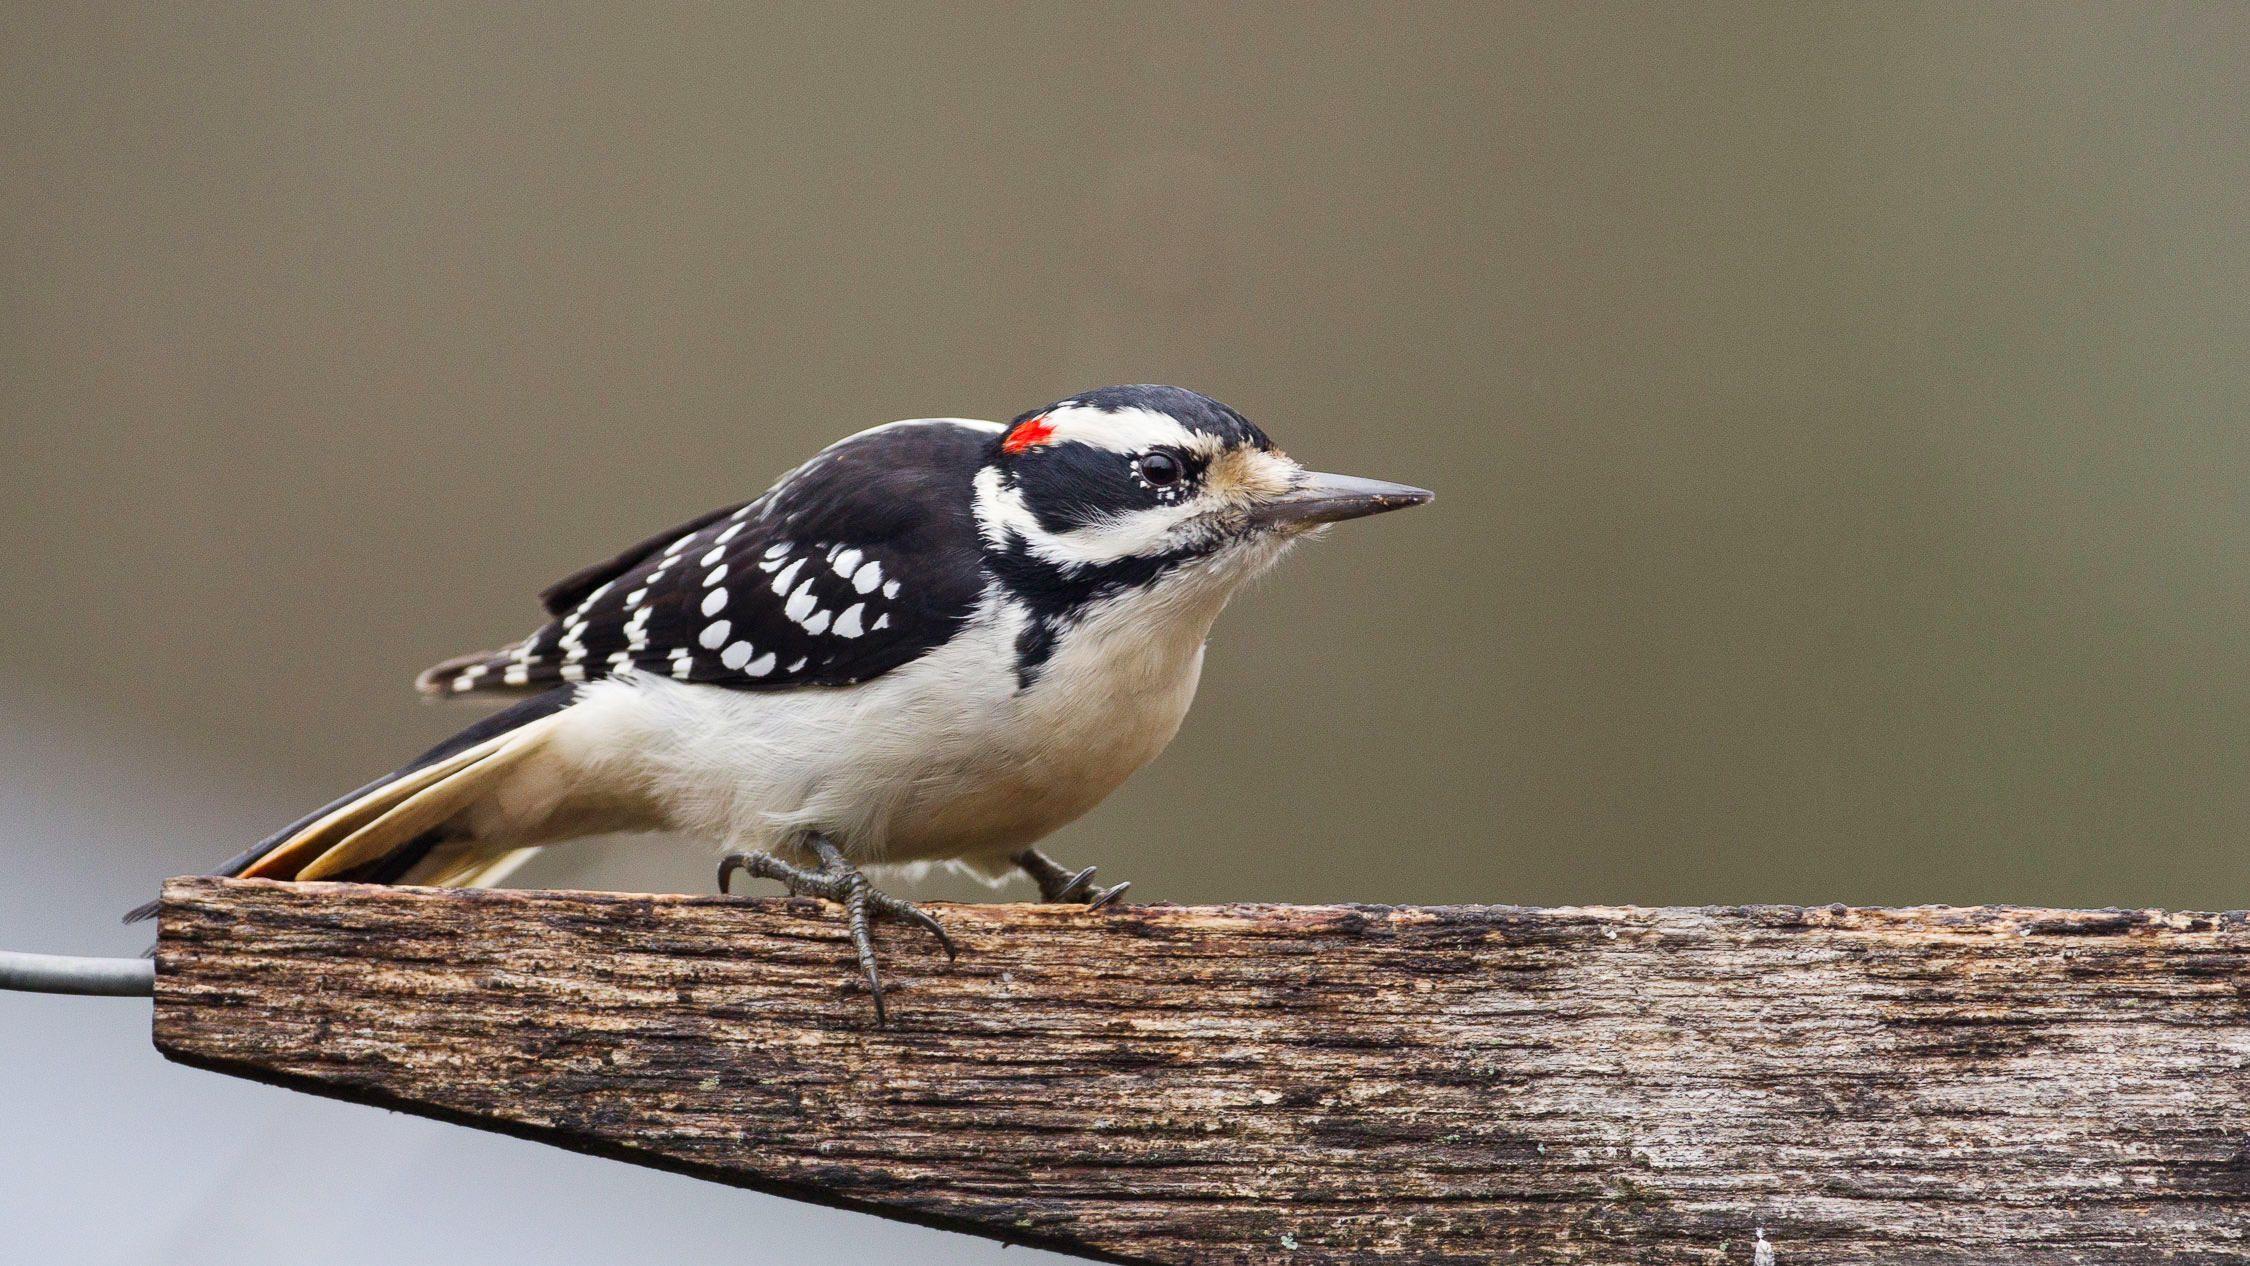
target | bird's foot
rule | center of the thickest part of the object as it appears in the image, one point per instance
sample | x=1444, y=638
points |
x=1059, y=885
x=839, y=881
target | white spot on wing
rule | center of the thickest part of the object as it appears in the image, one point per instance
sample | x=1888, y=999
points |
x=787, y=577
x=846, y=562
x=715, y=575
x=715, y=634
x=817, y=624
x=760, y=666
x=712, y=602
x=868, y=577
x=890, y=589
x=736, y=656
x=848, y=624
x=801, y=603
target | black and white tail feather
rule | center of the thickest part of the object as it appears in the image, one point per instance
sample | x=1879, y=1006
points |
x=383, y=832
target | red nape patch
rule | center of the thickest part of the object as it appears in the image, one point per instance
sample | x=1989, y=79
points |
x=1032, y=431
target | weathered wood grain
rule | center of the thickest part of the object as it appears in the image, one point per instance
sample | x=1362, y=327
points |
x=1318, y=1084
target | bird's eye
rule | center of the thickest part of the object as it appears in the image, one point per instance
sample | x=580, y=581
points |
x=1161, y=470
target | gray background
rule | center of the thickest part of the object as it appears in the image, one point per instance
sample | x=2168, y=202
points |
x=1838, y=415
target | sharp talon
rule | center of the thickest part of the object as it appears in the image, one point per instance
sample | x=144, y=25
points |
x=1058, y=885
x=875, y=993
x=936, y=929
x=727, y=866
x=907, y=911
x=1073, y=888
x=855, y=910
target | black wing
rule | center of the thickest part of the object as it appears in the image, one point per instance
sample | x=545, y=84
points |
x=563, y=596
x=857, y=562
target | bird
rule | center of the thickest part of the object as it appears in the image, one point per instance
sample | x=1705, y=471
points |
x=937, y=640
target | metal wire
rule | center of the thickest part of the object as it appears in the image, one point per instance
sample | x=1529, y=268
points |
x=63, y=973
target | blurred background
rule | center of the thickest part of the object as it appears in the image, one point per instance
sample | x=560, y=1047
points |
x=1841, y=417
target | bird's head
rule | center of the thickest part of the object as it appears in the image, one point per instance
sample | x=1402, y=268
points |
x=1128, y=487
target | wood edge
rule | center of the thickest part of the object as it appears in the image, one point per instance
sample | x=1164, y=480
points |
x=1935, y=919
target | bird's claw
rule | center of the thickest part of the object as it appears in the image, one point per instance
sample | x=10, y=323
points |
x=1060, y=886
x=1082, y=888
x=839, y=881
x=911, y=913
x=1103, y=896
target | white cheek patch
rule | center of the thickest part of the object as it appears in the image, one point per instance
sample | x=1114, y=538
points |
x=1002, y=514
x=1139, y=533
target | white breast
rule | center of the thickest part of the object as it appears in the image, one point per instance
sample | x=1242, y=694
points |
x=946, y=757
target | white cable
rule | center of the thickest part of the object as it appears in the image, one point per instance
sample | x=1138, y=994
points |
x=63, y=973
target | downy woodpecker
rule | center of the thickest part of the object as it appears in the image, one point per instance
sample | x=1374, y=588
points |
x=937, y=640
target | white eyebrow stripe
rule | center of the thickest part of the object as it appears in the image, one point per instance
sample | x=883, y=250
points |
x=1128, y=430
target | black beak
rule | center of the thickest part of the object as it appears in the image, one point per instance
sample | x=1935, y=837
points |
x=1319, y=498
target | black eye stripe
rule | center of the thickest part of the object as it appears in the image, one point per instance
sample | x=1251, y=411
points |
x=1070, y=485
x=1066, y=486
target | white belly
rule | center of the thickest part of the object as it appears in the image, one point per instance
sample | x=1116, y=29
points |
x=942, y=758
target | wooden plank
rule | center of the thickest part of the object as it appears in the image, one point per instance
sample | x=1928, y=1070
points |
x=1301, y=1083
